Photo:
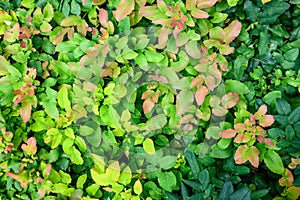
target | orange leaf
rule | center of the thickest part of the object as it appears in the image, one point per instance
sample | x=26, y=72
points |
x=232, y=31
x=252, y=156
x=229, y=133
x=240, y=156
x=125, y=8
x=242, y=138
x=201, y=94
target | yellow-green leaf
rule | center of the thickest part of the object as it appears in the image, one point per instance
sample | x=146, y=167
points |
x=137, y=187
x=113, y=171
x=99, y=164
x=100, y=179
x=63, y=100
x=125, y=176
x=148, y=146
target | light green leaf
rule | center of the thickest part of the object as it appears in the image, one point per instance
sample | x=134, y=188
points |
x=167, y=180
x=274, y=162
x=148, y=146
x=113, y=171
x=125, y=176
x=137, y=187
x=63, y=100
x=81, y=181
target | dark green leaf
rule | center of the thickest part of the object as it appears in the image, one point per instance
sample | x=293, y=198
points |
x=294, y=116
x=226, y=191
x=192, y=160
x=242, y=193
x=282, y=107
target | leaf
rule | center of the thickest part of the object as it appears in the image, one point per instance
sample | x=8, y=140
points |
x=71, y=20
x=266, y=120
x=30, y=148
x=100, y=179
x=283, y=107
x=201, y=94
x=253, y=156
x=62, y=97
x=125, y=176
x=48, y=12
x=226, y=191
x=148, y=146
x=99, y=164
x=113, y=171
x=291, y=55
x=271, y=97
x=125, y=7
x=25, y=111
x=230, y=99
x=240, y=156
x=274, y=162
x=232, y=31
x=156, y=123
x=294, y=117
x=154, y=56
x=236, y=86
x=110, y=116
x=148, y=105
x=232, y=3
x=167, y=180
x=229, y=133
x=192, y=160
x=137, y=187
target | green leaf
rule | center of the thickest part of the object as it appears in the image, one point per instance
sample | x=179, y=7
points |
x=48, y=12
x=153, y=56
x=192, y=160
x=242, y=193
x=204, y=178
x=71, y=20
x=75, y=8
x=62, y=97
x=271, y=97
x=216, y=152
x=226, y=191
x=53, y=138
x=156, y=123
x=148, y=146
x=232, y=3
x=236, y=86
x=81, y=181
x=294, y=116
x=283, y=107
x=125, y=176
x=291, y=55
x=50, y=108
x=110, y=116
x=219, y=17
x=273, y=162
x=167, y=180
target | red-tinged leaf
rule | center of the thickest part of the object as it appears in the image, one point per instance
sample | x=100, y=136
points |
x=25, y=111
x=260, y=112
x=103, y=17
x=164, y=36
x=269, y=142
x=287, y=179
x=219, y=111
x=217, y=33
x=225, y=49
x=240, y=156
x=230, y=99
x=252, y=156
x=59, y=38
x=266, y=120
x=197, y=81
x=229, y=133
x=192, y=49
x=201, y=94
x=294, y=163
x=148, y=105
x=21, y=177
x=141, y=3
x=206, y=3
x=81, y=28
x=71, y=20
x=232, y=31
x=240, y=127
x=190, y=4
x=242, y=138
x=31, y=147
x=293, y=192
x=210, y=82
x=199, y=14
x=98, y=2
x=147, y=94
x=124, y=8
x=151, y=12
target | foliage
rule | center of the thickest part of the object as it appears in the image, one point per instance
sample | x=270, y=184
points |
x=144, y=99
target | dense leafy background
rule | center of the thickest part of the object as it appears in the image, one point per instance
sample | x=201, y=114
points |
x=80, y=120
